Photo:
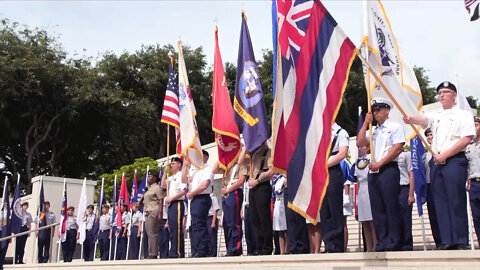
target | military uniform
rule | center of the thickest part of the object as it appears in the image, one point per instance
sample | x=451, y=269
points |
x=199, y=207
x=104, y=229
x=432, y=215
x=405, y=168
x=250, y=236
x=384, y=186
x=473, y=156
x=163, y=235
x=212, y=232
x=88, y=244
x=68, y=247
x=45, y=236
x=152, y=198
x=331, y=213
x=449, y=179
x=231, y=205
x=22, y=240
x=176, y=212
x=260, y=199
x=122, y=237
x=136, y=221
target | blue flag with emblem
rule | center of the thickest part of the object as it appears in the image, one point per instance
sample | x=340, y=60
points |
x=141, y=190
x=16, y=219
x=5, y=213
x=419, y=177
x=248, y=103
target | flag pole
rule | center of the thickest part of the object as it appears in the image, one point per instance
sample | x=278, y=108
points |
x=110, y=240
x=369, y=97
x=392, y=98
x=144, y=224
x=100, y=198
x=470, y=230
x=35, y=246
x=423, y=233
x=129, y=226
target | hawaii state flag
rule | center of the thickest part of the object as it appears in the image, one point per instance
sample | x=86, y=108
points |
x=63, y=213
x=314, y=63
x=249, y=105
x=191, y=146
x=226, y=131
x=473, y=8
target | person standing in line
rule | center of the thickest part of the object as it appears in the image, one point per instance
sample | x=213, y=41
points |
x=88, y=244
x=453, y=129
x=279, y=219
x=347, y=201
x=250, y=236
x=212, y=223
x=135, y=231
x=297, y=232
x=406, y=198
x=432, y=215
x=473, y=155
x=22, y=240
x=261, y=173
x=331, y=213
x=152, y=201
x=176, y=191
x=199, y=194
x=364, y=211
x=68, y=247
x=47, y=217
x=104, y=232
x=384, y=176
x=163, y=234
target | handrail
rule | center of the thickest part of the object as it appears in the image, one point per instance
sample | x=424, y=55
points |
x=30, y=231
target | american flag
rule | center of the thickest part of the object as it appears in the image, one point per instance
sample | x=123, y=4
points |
x=473, y=8
x=315, y=59
x=171, y=109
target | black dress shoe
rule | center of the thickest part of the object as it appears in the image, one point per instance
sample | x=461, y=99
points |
x=444, y=247
x=460, y=247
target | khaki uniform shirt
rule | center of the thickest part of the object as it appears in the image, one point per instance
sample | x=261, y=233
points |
x=256, y=161
x=233, y=174
x=152, y=197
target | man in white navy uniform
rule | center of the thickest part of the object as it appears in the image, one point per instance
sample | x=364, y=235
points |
x=452, y=130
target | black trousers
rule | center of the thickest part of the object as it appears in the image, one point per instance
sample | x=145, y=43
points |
x=20, y=246
x=296, y=230
x=261, y=216
x=68, y=247
x=331, y=213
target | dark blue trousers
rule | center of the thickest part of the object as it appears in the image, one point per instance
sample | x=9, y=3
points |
x=3, y=252
x=199, y=207
x=448, y=182
x=68, y=247
x=250, y=236
x=475, y=205
x=212, y=237
x=88, y=246
x=384, y=190
x=20, y=246
x=232, y=223
x=176, y=210
x=113, y=242
x=432, y=216
x=121, y=246
x=296, y=230
x=164, y=236
x=104, y=244
x=134, y=243
x=406, y=217
x=331, y=213
x=44, y=247
x=145, y=241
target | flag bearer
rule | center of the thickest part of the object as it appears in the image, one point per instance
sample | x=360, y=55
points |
x=47, y=217
x=176, y=191
x=233, y=194
x=68, y=247
x=432, y=215
x=104, y=232
x=22, y=240
x=199, y=194
x=261, y=173
x=135, y=231
x=384, y=176
x=406, y=198
x=123, y=234
x=88, y=244
x=331, y=213
x=473, y=155
x=212, y=226
x=453, y=129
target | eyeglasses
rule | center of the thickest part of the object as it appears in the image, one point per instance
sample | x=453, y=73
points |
x=442, y=92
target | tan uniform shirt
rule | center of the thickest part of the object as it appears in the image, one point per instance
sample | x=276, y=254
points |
x=233, y=174
x=152, y=197
x=256, y=161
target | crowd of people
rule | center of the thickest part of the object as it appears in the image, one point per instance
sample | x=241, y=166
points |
x=254, y=197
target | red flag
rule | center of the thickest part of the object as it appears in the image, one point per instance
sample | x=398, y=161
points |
x=122, y=198
x=226, y=131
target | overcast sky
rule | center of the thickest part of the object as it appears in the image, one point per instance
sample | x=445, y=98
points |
x=436, y=35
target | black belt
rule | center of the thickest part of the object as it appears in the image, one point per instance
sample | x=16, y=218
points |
x=104, y=230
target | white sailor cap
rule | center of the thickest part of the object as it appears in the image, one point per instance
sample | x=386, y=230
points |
x=379, y=102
